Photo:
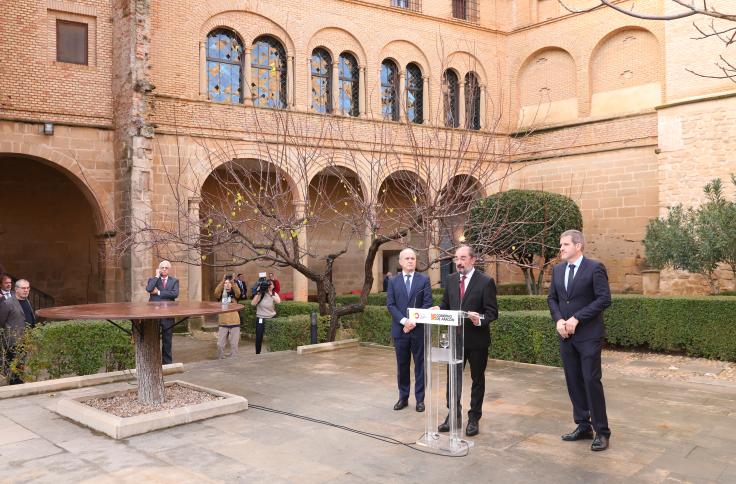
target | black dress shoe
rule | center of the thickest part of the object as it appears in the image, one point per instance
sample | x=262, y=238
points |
x=580, y=433
x=600, y=442
x=472, y=428
x=444, y=426
x=401, y=404
x=420, y=406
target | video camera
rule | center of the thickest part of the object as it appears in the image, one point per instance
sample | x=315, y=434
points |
x=262, y=283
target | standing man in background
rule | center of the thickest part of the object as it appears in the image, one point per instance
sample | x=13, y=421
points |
x=6, y=287
x=578, y=294
x=15, y=314
x=243, y=286
x=409, y=289
x=163, y=287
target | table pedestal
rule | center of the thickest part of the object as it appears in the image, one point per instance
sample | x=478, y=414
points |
x=147, y=335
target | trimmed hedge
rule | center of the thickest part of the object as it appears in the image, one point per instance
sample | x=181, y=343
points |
x=76, y=348
x=286, y=333
x=526, y=336
x=283, y=310
x=697, y=326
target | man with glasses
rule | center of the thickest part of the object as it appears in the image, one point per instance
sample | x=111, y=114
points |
x=15, y=314
x=163, y=287
x=471, y=291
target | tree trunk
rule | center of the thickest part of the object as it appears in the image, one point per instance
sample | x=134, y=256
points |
x=148, y=361
x=529, y=281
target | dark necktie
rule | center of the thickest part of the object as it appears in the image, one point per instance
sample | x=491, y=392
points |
x=570, y=275
x=407, y=283
x=462, y=287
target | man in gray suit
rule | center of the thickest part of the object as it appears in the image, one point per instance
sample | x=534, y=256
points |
x=163, y=287
x=15, y=314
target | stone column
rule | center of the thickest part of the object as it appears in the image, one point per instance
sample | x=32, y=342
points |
x=194, y=269
x=362, y=92
x=426, y=108
x=483, y=106
x=461, y=105
x=299, y=280
x=334, y=84
x=203, y=84
x=248, y=76
x=309, y=84
x=290, y=82
x=402, y=97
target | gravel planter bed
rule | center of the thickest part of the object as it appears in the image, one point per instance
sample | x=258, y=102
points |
x=119, y=415
x=126, y=404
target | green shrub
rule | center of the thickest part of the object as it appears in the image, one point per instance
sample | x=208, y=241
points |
x=286, y=333
x=522, y=303
x=512, y=289
x=526, y=336
x=372, y=325
x=76, y=348
x=283, y=310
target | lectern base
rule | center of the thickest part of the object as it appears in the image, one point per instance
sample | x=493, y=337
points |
x=444, y=444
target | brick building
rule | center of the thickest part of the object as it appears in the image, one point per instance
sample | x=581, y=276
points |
x=100, y=98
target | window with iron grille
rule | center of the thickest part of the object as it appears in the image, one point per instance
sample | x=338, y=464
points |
x=451, y=94
x=71, y=42
x=349, y=89
x=389, y=90
x=268, y=69
x=465, y=10
x=224, y=66
x=414, y=5
x=472, y=101
x=414, y=94
x=321, y=81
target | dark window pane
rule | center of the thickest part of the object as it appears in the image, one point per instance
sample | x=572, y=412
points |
x=389, y=91
x=349, y=88
x=414, y=94
x=450, y=99
x=224, y=66
x=472, y=101
x=71, y=42
x=268, y=69
x=321, y=81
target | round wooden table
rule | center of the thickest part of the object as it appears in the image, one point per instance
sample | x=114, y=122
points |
x=146, y=332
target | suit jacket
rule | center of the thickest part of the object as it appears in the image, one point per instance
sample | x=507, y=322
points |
x=586, y=298
x=12, y=320
x=169, y=294
x=480, y=296
x=397, y=301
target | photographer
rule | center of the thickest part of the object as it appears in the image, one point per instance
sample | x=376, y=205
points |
x=229, y=323
x=265, y=302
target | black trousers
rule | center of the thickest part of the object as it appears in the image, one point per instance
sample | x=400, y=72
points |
x=582, y=362
x=167, y=332
x=260, y=331
x=478, y=359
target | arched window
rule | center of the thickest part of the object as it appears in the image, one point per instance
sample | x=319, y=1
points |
x=414, y=94
x=472, y=101
x=321, y=81
x=268, y=69
x=450, y=97
x=389, y=90
x=349, y=90
x=224, y=66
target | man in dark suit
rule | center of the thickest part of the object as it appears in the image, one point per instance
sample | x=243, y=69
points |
x=15, y=314
x=6, y=287
x=474, y=292
x=409, y=289
x=243, y=286
x=578, y=294
x=163, y=287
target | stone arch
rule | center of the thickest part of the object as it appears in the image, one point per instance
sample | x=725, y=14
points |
x=626, y=72
x=249, y=26
x=463, y=62
x=404, y=52
x=336, y=41
x=55, y=237
x=91, y=189
x=547, y=87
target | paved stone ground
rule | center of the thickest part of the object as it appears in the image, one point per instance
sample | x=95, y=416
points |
x=663, y=431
